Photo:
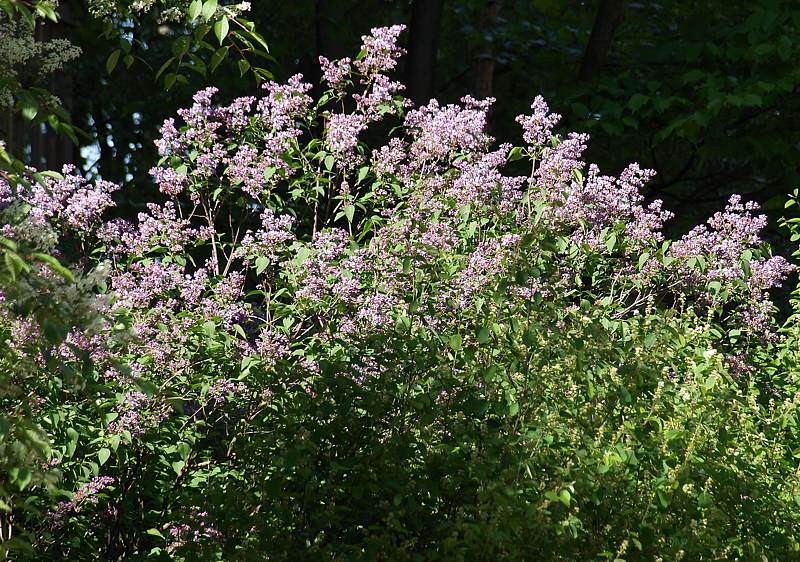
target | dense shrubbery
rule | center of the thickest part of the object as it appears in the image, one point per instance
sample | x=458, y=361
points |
x=314, y=346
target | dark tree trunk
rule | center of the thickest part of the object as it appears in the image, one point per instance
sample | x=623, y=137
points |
x=423, y=45
x=325, y=21
x=609, y=16
x=49, y=149
x=484, y=68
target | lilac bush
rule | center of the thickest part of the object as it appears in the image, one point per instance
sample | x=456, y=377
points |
x=431, y=347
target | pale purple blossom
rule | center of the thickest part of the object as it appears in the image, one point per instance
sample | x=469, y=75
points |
x=336, y=72
x=75, y=202
x=342, y=136
x=381, y=50
x=169, y=181
x=223, y=389
x=87, y=495
x=274, y=234
x=537, y=128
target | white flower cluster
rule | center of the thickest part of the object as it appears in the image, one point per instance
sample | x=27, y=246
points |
x=24, y=59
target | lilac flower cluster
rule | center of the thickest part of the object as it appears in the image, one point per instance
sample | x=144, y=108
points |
x=136, y=414
x=321, y=273
x=380, y=50
x=247, y=167
x=335, y=73
x=86, y=495
x=481, y=181
x=275, y=232
x=6, y=194
x=222, y=389
x=205, y=140
x=272, y=347
x=439, y=133
x=725, y=244
x=73, y=201
x=484, y=264
x=342, y=136
x=537, y=128
x=377, y=100
x=161, y=294
x=184, y=534
x=159, y=228
x=169, y=181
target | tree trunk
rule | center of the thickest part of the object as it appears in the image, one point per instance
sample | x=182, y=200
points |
x=423, y=45
x=609, y=16
x=484, y=68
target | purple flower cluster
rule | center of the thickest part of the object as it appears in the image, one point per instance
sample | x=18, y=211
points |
x=169, y=181
x=380, y=50
x=484, y=264
x=725, y=244
x=136, y=414
x=86, y=495
x=222, y=389
x=160, y=228
x=275, y=232
x=6, y=194
x=439, y=133
x=205, y=140
x=73, y=201
x=320, y=271
x=185, y=534
x=335, y=73
x=480, y=181
x=342, y=137
x=247, y=167
x=537, y=128
x=272, y=347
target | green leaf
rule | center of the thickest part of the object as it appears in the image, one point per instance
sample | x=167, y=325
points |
x=169, y=80
x=244, y=66
x=28, y=104
x=164, y=67
x=112, y=60
x=637, y=101
x=329, y=161
x=643, y=259
x=23, y=477
x=262, y=263
x=194, y=9
x=209, y=9
x=154, y=532
x=349, y=212
x=218, y=57
x=455, y=342
x=611, y=241
x=103, y=455
x=221, y=29
x=55, y=266
x=183, y=450
x=516, y=153
x=15, y=264
x=177, y=466
x=565, y=497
